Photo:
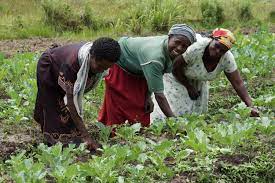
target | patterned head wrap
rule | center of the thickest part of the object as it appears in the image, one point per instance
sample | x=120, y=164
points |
x=184, y=30
x=224, y=36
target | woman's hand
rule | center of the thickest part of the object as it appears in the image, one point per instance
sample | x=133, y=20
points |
x=149, y=105
x=92, y=145
x=254, y=112
x=193, y=93
x=179, y=73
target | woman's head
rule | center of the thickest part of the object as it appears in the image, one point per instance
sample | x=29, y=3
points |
x=104, y=53
x=223, y=40
x=181, y=36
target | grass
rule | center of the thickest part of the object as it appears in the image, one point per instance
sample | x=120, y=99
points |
x=24, y=19
x=17, y=21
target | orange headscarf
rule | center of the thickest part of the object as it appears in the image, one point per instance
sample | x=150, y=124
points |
x=224, y=36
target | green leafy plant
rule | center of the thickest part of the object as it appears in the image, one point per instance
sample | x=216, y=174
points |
x=157, y=156
x=157, y=127
x=128, y=132
x=105, y=132
x=24, y=169
x=197, y=140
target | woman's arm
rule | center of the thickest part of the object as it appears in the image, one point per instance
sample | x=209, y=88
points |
x=68, y=88
x=164, y=105
x=178, y=72
x=153, y=73
x=149, y=104
x=238, y=84
x=92, y=145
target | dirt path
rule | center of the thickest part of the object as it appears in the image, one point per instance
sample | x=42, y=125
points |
x=11, y=47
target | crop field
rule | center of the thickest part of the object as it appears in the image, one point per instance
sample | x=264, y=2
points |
x=224, y=145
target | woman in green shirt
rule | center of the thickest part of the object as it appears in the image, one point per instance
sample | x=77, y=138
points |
x=139, y=73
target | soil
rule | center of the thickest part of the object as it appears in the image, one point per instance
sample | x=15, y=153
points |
x=12, y=47
x=3, y=95
x=7, y=149
x=184, y=177
x=19, y=138
x=235, y=159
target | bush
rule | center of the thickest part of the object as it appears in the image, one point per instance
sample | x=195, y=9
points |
x=244, y=12
x=272, y=16
x=2, y=8
x=212, y=12
x=18, y=23
x=62, y=16
x=132, y=20
x=164, y=13
x=90, y=20
x=137, y=18
x=156, y=15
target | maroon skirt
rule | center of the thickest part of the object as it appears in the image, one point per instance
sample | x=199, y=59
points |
x=124, y=99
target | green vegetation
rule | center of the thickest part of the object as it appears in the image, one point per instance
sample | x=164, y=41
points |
x=225, y=145
x=245, y=12
x=92, y=18
x=212, y=12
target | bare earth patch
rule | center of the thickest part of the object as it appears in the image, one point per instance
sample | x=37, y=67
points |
x=18, y=138
x=235, y=159
x=3, y=95
x=184, y=177
x=12, y=47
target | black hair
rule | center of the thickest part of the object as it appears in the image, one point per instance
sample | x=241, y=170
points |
x=105, y=48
